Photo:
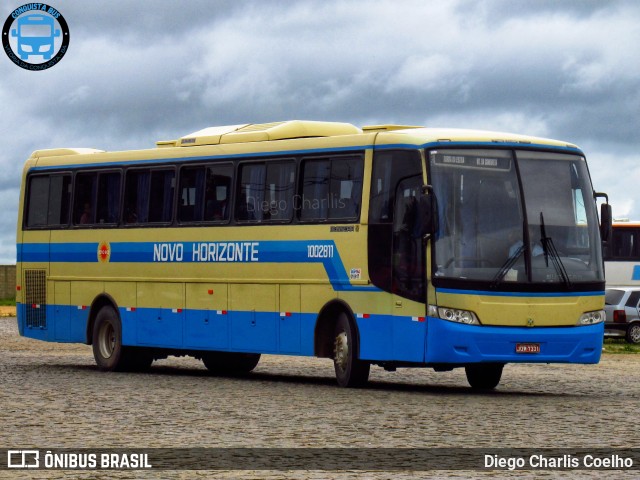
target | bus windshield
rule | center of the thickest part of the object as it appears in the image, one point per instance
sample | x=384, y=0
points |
x=514, y=217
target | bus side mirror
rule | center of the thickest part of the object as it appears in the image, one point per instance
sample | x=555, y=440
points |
x=428, y=211
x=14, y=32
x=56, y=33
x=606, y=227
x=606, y=218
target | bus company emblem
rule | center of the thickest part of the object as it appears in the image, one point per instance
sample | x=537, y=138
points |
x=35, y=36
x=104, y=252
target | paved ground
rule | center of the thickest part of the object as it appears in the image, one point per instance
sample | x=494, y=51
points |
x=52, y=396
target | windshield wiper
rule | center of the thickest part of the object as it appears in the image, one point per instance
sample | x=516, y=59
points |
x=550, y=251
x=507, y=266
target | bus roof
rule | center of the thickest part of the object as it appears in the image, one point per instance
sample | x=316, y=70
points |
x=341, y=134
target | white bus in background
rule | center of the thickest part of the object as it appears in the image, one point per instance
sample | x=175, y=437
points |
x=622, y=256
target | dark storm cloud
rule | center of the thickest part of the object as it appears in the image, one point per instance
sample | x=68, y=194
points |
x=136, y=23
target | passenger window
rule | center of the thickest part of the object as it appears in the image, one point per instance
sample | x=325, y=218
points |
x=149, y=196
x=191, y=194
x=96, y=198
x=38, y=201
x=59, y=200
x=218, y=193
x=204, y=193
x=331, y=189
x=48, y=201
x=84, y=206
x=266, y=192
x=108, y=198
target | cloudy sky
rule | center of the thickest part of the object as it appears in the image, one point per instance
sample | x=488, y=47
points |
x=145, y=70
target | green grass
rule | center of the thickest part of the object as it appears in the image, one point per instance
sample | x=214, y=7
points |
x=8, y=302
x=619, y=345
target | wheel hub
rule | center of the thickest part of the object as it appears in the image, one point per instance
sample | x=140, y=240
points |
x=107, y=340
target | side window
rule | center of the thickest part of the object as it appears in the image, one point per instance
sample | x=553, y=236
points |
x=217, y=194
x=38, y=201
x=249, y=201
x=632, y=301
x=84, y=204
x=148, y=196
x=108, y=206
x=191, y=194
x=96, y=198
x=59, y=200
x=346, y=188
x=161, y=203
x=331, y=189
x=204, y=193
x=314, y=204
x=625, y=244
x=48, y=200
x=266, y=192
x=389, y=168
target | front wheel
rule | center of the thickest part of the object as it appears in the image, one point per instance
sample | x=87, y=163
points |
x=484, y=376
x=350, y=370
x=633, y=333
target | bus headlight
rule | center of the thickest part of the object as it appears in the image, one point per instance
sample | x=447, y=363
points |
x=454, y=315
x=591, y=318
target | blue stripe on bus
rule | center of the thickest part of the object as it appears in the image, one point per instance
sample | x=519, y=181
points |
x=636, y=273
x=357, y=148
x=382, y=337
x=519, y=294
x=145, y=252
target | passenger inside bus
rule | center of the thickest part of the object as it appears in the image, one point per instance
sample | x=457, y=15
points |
x=86, y=214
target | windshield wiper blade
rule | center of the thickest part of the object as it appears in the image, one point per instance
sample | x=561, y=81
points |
x=550, y=251
x=507, y=266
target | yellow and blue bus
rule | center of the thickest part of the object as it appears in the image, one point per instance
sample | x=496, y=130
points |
x=385, y=245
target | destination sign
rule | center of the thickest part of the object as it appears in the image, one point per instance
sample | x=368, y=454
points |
x=487, y=162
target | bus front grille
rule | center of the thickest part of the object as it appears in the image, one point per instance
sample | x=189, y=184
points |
x=35, y=298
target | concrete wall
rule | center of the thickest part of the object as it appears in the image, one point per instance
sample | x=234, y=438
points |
x=7, y=281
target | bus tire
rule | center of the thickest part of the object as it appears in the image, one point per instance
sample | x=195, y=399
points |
x=230, y=363
x=484, y=376
x=350, y=370
x=633, y=333
x=107, y=340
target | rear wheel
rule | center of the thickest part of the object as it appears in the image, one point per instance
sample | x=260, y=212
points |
x=108, y=351
x=350, y=370
x=633, y=333
x=107, y=340
x=484, y=376
x=230, y=363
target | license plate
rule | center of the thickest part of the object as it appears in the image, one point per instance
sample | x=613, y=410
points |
x=527, y=348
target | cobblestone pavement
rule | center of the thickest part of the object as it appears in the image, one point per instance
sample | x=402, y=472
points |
x=52, y=396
